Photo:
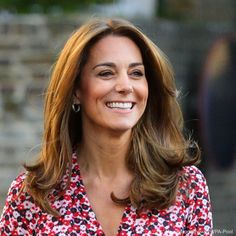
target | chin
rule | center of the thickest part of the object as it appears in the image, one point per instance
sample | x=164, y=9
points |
x=122, y=128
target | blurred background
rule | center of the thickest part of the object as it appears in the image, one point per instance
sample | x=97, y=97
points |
x=199, y=38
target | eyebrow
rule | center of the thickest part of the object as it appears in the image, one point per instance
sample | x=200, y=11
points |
x=111, y=64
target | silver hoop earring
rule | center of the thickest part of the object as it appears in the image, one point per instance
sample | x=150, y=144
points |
x=76, y=107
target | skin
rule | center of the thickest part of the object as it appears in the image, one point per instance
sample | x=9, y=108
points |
x=113, y=77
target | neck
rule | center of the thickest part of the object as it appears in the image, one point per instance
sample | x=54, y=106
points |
x=103, y=155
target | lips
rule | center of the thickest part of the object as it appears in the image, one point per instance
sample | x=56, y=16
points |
x=120, y=105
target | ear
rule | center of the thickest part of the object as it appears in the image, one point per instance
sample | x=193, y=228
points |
x=76, y=96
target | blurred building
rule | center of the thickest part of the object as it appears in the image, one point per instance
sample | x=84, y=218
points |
x=131, y=9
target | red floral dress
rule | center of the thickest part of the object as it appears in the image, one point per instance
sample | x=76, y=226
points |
x=190, y=215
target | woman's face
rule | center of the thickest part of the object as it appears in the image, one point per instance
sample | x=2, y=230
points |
x=113, y=89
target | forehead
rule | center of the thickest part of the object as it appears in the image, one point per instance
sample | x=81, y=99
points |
x=115, y=46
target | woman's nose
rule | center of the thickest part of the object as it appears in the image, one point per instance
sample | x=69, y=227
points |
x=124, y=85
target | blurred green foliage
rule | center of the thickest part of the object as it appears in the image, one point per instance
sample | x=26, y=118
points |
x=176, y=9
x=47, y=6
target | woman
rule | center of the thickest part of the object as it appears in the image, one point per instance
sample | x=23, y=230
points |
x=114, y=160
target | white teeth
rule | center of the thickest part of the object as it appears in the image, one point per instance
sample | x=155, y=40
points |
x=120, y=105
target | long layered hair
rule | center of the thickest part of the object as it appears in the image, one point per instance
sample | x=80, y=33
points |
x=158, y=148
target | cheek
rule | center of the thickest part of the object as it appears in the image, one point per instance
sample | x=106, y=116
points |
x=143, y=92
x=87, y=91
x=93, y=92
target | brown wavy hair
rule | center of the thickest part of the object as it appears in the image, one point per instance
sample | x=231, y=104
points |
x=158, y=148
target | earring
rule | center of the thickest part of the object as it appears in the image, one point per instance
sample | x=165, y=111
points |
x=76, y=107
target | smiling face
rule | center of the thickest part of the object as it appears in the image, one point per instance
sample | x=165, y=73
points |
x=113, y=89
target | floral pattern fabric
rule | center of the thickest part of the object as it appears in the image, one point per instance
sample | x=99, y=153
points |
x=190, y=215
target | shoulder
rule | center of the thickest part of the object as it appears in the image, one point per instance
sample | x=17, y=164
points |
x=192, y=174
x=192, y=183
x=194, y=197
x=20, y=214
x=16, y=186
x=17, y=197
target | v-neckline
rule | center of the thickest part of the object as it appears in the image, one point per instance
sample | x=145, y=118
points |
x=126, y=210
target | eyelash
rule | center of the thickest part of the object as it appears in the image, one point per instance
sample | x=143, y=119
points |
x=137, y=73
x=105, y=73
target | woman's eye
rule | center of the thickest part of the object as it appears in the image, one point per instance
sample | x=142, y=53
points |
x=105, y=73
x=137, y=73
